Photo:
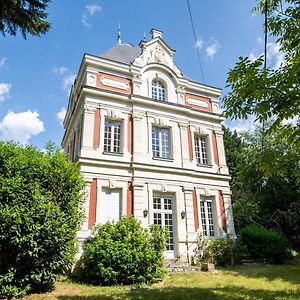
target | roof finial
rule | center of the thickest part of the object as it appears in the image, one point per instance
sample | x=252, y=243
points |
x=119, y=35
x=144, y=36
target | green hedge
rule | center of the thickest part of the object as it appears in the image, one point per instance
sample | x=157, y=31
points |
x=123, y=253
x=40, y=213
x=262, y=243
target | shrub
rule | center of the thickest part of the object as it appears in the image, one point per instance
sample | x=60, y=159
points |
x=123, y=253
x=218, y=251
x=40, y=213
x=262, y=243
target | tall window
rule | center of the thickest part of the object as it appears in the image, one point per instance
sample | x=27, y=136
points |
x=201, y=149
x=112, y=136
x=207, y=217
x=161, y=142
x=158, y=90
x=162, y=216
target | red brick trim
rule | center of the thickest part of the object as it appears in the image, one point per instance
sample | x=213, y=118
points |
x=100, y=83
x=222, y=212
x=96, y=140
x=130, y=199
x=195, y=206
x=190, y=143
x=215, y=148
x=201, y=98
x=93, y=204
x=130, y=134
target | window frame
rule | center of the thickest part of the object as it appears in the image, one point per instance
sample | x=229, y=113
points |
x=161, y=145
x=207, y=213
x=111, y=147
x=158, y=90
x=199, y=154
x=163, y=212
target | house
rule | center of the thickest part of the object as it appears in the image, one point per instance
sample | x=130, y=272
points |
x=149, y=143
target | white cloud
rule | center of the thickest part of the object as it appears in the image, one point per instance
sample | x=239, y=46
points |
x=60, y=70
x=90, y=10
x=20, y=127
x=275, y=58
x=274, y=55
x=68, y=81
x=61, y=115
x=213, y=48
x=67, y=77
x=293, y=121
x=199, y=43
x=242, y=125
x=93, y=8
x=4, y=91
x=2, y=61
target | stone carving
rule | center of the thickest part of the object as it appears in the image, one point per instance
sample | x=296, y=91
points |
x=156, y=55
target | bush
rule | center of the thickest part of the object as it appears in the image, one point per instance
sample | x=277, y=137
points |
x=123, y=253
x=40, y=213
x=220, y=251
x=262, y=243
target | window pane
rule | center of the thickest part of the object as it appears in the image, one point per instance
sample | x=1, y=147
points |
x=158, y=90
x=163, y=216
x=203, y=218
x=112, y=136
x=210, y=219
x=161, y=142
x=201, y=149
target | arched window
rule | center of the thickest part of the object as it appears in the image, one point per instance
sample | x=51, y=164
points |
x=158, y=90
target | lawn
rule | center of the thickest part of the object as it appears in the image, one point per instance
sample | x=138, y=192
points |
x=256, y=281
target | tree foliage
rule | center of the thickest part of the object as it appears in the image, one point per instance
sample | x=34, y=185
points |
x=40, y=213
x=265, y=182
x=270, y=94
x=123, y=253
x=27, y=16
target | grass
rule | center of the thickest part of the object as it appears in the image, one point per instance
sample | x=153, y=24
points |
x=242, y=282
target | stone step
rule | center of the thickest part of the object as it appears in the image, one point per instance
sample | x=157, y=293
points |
x=179, y=267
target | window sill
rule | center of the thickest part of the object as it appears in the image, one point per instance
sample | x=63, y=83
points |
x=113, y=153
x=163, y=159
x=205, y=165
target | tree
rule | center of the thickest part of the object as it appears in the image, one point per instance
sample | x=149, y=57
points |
x=123, y=253
x=271, y=95
x=268, y=198
x=40, y=212
x=27, y=16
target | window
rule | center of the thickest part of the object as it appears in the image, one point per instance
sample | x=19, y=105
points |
x=207, y=219
x=161, y=142
x=163, y=217
x=110, y=205
x=201, y=149
x=112, y=136
x=158, y=90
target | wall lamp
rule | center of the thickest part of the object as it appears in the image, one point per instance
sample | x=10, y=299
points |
x=183, y=214
x=145, y=212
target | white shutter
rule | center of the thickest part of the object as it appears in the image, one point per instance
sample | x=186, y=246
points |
x=109, y=209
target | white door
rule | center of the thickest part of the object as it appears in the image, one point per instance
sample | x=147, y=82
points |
x=110, y=202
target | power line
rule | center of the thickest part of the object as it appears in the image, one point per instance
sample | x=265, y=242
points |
x=195, y=37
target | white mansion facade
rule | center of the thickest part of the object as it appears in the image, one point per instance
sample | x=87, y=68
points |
x=149, y=143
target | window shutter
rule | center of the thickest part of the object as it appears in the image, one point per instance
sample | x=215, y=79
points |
x=195, y=206
x=96, y=140
x=215, y=148
x=190, y=143
x=222, y=212
x=130, y=199
x=93, y=204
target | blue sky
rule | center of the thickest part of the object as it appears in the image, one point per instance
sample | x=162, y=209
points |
x=36, y=74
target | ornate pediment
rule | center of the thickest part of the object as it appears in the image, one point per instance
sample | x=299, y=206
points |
x=157, y=52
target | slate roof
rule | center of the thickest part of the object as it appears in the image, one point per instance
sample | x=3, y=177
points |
x=123, y=53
